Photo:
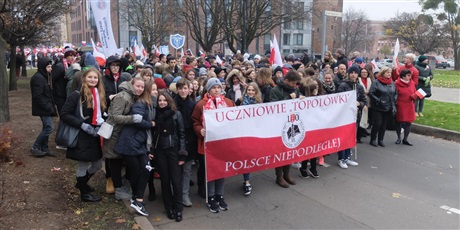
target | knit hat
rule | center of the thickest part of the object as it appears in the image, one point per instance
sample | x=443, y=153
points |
x=359, y=60
x=90, y=61
x=353, y=68
x=69, y=52
x=212, y=82
x=422, y=58
x=257, y=57
x=160, y=83
x=202, y=71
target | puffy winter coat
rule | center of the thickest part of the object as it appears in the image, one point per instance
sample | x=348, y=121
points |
x=405, y=103
x=133, y=137
x=383, y=97
x=88, y=147
x=42, y=95
x=360, y=95
x=282, y=92
x=176, y=140
x=119, y=116
x=186, y=108
x=424, y=72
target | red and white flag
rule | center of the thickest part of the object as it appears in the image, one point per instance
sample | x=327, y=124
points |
x=262, y=136
x=157, y=51
x=136, y=49
x=100, y=57
x=395, y=55
x=202, y=54
x=374, y=65
x=275, y=55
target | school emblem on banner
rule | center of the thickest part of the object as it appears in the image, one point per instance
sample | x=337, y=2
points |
x=293, y=131
x=177, y=41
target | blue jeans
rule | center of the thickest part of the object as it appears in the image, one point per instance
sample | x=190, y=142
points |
x=419, y=105
x=344, y=154
x=246, y=177
x=41, y=143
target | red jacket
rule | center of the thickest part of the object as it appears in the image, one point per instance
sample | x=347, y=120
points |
x=405, y=107
x=411, y=67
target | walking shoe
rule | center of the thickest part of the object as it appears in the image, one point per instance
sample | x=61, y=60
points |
x=247, y=189
x=351, y=162
x=407, y=143
x=109, y=186
x=398, y=141
x=381, y=143
x=122, y=193
x=139, y=207
x=342, y=164
x=186, y=201
x=321, y=161
x=313, y=173
x=37, y=153
x=60, y=147
x=420, y=114
x=212, y=204
x=50, y=154
x=222, y=205
x=303, y=173
x=372, y=142
x=296, y=165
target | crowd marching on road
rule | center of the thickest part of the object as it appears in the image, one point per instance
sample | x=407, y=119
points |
x=155, y=109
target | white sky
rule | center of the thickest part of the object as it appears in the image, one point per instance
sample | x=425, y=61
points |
x=382, y=9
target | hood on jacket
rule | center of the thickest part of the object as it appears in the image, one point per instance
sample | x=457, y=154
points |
x=127, y=87
x=42, y=64
x=124, y=63
x=90, y=61
x=111, y=60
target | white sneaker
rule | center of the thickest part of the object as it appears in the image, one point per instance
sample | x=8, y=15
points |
x=60, y=147
x=296, y=165
x=351, y=163
x=342, y=164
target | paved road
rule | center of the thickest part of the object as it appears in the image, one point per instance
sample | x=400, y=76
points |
x=393, y=188
x=445, y=94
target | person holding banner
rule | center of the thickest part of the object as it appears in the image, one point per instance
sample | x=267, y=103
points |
x=405, y=107
x=383, y=99
x=424, y=79
x=349, y=84
x=286, y=90
x=251, y=95
x=213, y=99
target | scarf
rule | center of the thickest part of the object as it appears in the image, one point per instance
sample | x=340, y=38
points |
x=329, y=88
x=97, y=118
x=404, y=81
x=66, y=64
x=237, y=90
x=214, y=102
x=364, y=80
x=248, y=100
x=385, y=81
x=164, y=121
x=116, y=76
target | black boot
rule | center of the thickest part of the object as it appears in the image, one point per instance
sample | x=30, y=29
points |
x=85, y=194
x=87, y=177
x=373, y=143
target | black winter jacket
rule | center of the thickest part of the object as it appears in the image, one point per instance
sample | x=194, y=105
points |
x=88, y=148
x=42, y=95
x=186, y=108
x=59, y=80
x=360, y=94
x=176, y=140
x=383, y=97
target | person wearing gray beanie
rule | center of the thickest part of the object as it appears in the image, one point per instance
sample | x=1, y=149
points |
x=212, y=82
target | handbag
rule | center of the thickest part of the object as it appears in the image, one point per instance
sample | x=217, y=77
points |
x=105, y=130
x=67, y=135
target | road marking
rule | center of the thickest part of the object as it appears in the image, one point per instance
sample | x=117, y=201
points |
x=454, y=210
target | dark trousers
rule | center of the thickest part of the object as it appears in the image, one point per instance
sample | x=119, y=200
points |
x=379, y=127
x=139, y=174
x=312, y=164
x=59, y=101
x=114, y=167
x=406, y=126
x=201, y=171
x=171, y=177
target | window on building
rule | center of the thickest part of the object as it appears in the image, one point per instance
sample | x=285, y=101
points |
x=287, y=39
x=286, y=51
x=267, y=42
x=287, y=25
x=298, y=39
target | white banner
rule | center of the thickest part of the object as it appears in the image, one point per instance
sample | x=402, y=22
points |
x=101, y=12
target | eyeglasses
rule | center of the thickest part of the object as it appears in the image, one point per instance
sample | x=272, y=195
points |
x=117, y=66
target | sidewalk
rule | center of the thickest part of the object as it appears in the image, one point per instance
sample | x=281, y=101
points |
x=451, y=95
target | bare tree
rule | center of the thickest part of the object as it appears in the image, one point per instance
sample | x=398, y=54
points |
x=4, y=104
x=204, y=18
x=356, y=34
x=418, y=31
x=152, y=18
x=29, y=22
x=451, y=15
x=246, y=20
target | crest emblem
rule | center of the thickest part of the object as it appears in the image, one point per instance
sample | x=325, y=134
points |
x=293, y=132
x=177, y=41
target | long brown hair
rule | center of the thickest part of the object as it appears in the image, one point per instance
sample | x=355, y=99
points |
x=264, y=77
x=145, y=96
x=85, y=91
x=168, y=98
x=257, y=96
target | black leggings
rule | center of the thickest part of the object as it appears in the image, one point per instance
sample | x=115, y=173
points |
x=171, y=178
x=139, y=174
x=405, y=126
x=201, y=171
x=113, y=167
x=379, y=127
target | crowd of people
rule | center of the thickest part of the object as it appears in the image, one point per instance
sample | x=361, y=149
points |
x=156, y=110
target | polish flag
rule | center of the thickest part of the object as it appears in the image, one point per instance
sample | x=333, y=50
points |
x=395, y=55
x=275, y=55
x=137, y=49
x=218, y=60
x=420, y=93
x=374, y=65
x=157, y=52
x=100, y=57
x=257, y=137
x=202, y=54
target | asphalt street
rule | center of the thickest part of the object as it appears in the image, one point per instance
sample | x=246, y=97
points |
x=396, y=187
x=451, y=95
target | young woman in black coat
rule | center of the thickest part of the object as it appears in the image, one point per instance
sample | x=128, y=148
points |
x=170, y=153
x=88, y=152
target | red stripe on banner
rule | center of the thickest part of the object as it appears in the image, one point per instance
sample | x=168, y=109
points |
x=230, y=157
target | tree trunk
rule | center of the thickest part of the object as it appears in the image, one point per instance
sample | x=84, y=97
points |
x=24, y=63
x=13, y=81
x=4, y=105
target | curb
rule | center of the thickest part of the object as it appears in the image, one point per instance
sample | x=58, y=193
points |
x=142, y=221
x=436, y=132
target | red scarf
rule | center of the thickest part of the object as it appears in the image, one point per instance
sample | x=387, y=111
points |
x=213, y=103
x=116, y=76
x=95, y=105
x=385, y=81
x=364, y=80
